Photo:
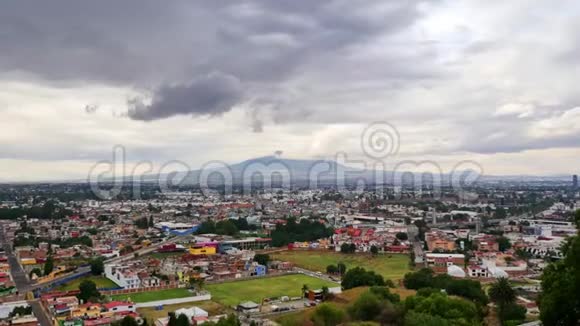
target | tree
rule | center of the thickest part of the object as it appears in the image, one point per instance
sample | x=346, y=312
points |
x=500, y=213
x=417, y=280
x=230, y=320
x=469, y=289
x=352, y=248
x=142, y=223
x=97, y=266
x=151, y=222
x=172, y=319
x=374, y=250
x=413, y=318
x=327, y=315
x=523, y=254
x=402, y=236
x=182, y=320
x=502, y=294
x=345, y=248
x=196, y=283
x=262, y=259
x=325, y=292
x=503, y=243
x=35, y=271
x=559, y=301
x=341, y=268
x=331, y=269
x=367, y=307
x=226, y=227
x=513, y=312
x=292, y=231
x=358, y=276
x=48, y=265
x=384, y=293
x=304, y=289
x=20, y=311
x=88, y=291
x=456, y=311
x=129, y=321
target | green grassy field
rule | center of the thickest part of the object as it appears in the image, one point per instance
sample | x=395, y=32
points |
x=101, y=282
x=232, y=293
x=153, y=295
x=390, y=266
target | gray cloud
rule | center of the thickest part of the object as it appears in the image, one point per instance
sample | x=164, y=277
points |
x=91, y=108
x=210, y=95
x=308, y=65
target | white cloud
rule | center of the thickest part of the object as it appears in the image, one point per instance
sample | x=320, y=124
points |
x=486, y=80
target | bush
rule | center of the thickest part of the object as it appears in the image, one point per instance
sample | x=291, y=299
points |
x=358, y=276
x=417, y=280
x=384, y=293
x=513, y=312
x=367, y=307
x=327, y=315
x=331, y=269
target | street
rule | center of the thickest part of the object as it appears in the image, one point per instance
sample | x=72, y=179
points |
x=21, y=281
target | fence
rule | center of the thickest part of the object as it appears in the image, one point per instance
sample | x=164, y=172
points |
x=246, y=278
x=201, y=297
x=65, y=279
x=139, y=290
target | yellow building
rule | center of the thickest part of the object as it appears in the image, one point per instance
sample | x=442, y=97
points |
x=28, y=261
x=202, y=250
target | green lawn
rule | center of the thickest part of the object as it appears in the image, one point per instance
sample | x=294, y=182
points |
x=232, y=293
x=153, y=295
x=101, y=282
x=391, y=266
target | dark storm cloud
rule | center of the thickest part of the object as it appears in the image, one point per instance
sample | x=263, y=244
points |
x=143, y=42
x=151, y=44
x=210, y=95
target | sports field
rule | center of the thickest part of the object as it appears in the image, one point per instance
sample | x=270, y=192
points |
x=390, y=266
x=233, y=293
x=154, y=295
x=101, y=282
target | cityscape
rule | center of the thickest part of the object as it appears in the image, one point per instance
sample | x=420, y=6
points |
x=261, y=162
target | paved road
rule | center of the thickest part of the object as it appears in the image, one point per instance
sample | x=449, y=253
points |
x=40, y=313
x=82, y=270
x=21, y=281
x=321, y=276
x=18, y=275
x=413, y=233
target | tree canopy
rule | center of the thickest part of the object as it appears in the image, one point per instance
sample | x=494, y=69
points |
x=292, y=231
x=559, y=301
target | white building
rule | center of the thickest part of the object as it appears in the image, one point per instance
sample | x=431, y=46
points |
x=123, y=276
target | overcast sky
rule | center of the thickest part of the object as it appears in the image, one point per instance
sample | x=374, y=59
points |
x=492, y=81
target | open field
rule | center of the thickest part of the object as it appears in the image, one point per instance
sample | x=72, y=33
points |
x=163, y=255
x=151, y=314
x=154, y=295
x=341, y=301
x=232, y=293
x=390, y=266
x=101, y=282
